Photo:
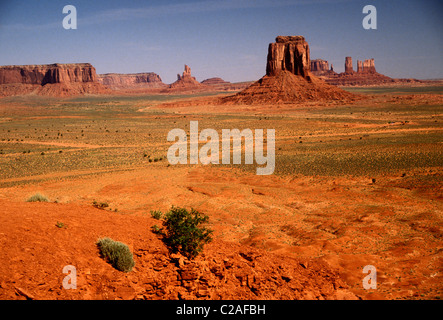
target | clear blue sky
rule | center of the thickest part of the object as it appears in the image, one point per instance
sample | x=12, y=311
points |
x=224, y=38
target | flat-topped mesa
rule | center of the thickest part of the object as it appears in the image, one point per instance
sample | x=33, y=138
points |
x=131, y=80
x=49, y=73
x=348, y=65
x=288, y=53
x=319, y=65
x=58, y=79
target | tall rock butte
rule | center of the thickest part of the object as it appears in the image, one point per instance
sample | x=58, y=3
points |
x=185, y=82
x=290, y=53
x=288, y=78
x=348, y=65
x=51, y=79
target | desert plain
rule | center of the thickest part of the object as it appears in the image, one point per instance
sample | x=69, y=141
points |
x=355, y=183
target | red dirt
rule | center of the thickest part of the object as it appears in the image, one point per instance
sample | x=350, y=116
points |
x=275, y=238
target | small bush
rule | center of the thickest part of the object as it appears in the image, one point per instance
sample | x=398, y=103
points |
x=60, y=225
x=184, y=233
x=100, y=205
x=156, y=214
x=156, y=229
x=116, y=253
x=38, y=197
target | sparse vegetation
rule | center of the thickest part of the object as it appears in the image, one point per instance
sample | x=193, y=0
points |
x=156, y=229
x=116, y=253
x=100, y=205
x=38, y=197
x=60, y=225
x=156, y=214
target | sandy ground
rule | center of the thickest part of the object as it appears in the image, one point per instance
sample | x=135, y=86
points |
x=275, y=237
x=343, y=224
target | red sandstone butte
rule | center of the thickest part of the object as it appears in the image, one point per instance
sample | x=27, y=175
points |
x=288, y=78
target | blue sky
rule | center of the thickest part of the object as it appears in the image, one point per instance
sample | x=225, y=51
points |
x=223, y=38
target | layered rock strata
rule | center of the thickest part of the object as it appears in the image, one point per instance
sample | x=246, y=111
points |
x=52, y=79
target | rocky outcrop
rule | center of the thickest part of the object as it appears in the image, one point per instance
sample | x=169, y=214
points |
x=51, y=79
x=288, y=78
x=368, y=66
x=348, y=65
x=288, y=53
x=319, y=65
x=119, y=81
x=185, y=82
x=215, y=81
x=365, y=75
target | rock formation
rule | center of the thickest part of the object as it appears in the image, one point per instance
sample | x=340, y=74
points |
x=288, y=78
x=215, y=81
x=118, y=81
x=185, y=82
x=288, y=53
x=50, y=73
x=366, y=74
x=359, y=66
x=52, y=79
x=369, y=66
x=319, y=65
x=348, y=65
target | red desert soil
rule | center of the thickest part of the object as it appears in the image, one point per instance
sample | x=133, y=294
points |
x=275, y=237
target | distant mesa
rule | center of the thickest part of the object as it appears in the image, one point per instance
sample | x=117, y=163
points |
x=120, y=81
x=288, y=77
x=215, y=81
x=51, y=79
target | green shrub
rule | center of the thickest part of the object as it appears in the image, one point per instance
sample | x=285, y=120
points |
x=184, y=233
x=156, y=229
x=156, y=214
x=116, y=253
x=60, y=225
x=100, y=205
x=38, y=197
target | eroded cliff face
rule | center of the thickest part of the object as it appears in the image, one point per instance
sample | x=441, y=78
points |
x=319, y=65
x=50, y=73
x=52, y=79
x=131, y=80
x=288, y=53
